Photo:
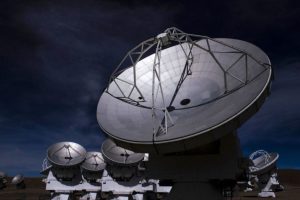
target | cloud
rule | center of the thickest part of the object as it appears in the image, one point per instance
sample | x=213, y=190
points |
x=76, y=47
x=56, y=60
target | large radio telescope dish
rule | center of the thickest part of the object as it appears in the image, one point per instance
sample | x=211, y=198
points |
x=66, y=154
x=178, y=91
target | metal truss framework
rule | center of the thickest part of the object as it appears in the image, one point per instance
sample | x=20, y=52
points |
x=155, y=46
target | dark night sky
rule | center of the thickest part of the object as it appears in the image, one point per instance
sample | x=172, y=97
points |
x=56, y=57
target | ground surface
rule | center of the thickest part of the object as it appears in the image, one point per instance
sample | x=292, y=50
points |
x=35, y=189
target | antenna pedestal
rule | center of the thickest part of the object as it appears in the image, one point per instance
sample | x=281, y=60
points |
x=3, y=180
x=65, y=188
x=61, y=197
x=267, y=183
x=2, y=183
x=89, y=196
x=21, y=185
x=191, y=190
x=198, y=173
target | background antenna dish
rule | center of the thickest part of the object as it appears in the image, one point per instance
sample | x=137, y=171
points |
x=118, y=155
x=164, y=98
x=94, y=162
x=262, y=161
x=2, y=175
x=66, y=154
x=17, y=179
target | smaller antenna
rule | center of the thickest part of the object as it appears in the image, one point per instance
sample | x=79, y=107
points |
x=93, y=166
x=94, y=162
x=18, y=180
x=66, y=154
x=119, y=156
x=262, y=161
x=263, y=170
x=3, y=180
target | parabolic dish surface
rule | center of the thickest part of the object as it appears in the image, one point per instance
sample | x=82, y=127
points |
x=17, y=179
x=93, y=162
x=224, y=82
x=66, y=154
x=118, y=155
x=262, y=165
